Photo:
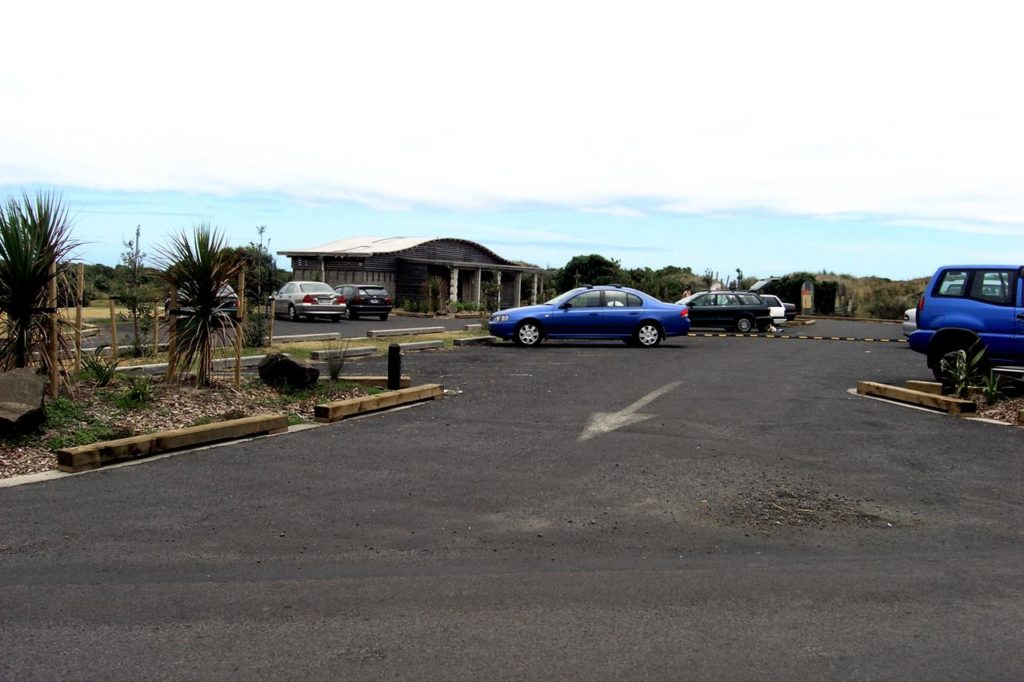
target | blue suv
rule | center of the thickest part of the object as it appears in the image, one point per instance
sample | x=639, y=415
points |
x=969, y=307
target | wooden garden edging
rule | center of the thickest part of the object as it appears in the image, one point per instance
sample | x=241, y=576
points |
x=96, y=455
x=954, y=406
x=336, y=411
x=933, y=387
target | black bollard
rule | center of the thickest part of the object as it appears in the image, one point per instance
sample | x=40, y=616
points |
x=394, y=367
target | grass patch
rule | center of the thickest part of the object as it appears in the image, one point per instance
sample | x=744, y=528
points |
x=73, y=426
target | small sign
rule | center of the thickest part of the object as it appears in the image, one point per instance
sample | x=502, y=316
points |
x=807, y=298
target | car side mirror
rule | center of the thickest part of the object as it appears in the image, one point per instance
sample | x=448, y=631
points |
x=565, y=306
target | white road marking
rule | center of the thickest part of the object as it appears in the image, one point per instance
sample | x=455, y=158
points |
x=606, y=422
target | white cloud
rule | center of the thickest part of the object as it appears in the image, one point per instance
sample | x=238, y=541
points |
x=614, y=211
x=909, y=110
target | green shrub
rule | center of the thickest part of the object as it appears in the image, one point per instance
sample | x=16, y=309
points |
x=992, y=388
x=98, y=368
x=825, y=297
x=256, y=328
x=336, y=361
x=963, y=370
x=63, y=412
x=35, y=235
x=137, y=393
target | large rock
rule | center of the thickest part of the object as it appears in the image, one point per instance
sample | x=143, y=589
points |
x=277, y=369
x=21, y=400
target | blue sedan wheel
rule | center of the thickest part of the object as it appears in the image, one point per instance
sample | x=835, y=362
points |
x=647, y=335
x=527, y=334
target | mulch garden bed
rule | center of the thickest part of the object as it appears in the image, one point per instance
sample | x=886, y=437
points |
x=87, y=413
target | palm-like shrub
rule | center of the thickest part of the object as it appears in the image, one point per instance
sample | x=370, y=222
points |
x=35, y=233
x=198, y=265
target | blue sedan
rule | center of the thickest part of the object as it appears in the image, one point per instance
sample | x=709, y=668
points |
x=594, y=312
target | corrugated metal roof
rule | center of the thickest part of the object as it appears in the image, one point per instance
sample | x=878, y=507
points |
x=364, y=246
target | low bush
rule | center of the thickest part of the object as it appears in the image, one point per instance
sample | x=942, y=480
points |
x=138, y=393
x=98, y=368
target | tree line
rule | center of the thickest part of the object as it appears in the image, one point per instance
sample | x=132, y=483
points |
x=834, y=293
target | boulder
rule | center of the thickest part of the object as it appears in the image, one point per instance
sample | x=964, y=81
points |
x=277, y=369
x=21, y=400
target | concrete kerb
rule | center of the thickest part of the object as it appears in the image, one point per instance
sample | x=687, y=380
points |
x=293, y=338
x=475, y=340
x=410, y=331
x=218, y=364
x=421, y=345
x=343, y=352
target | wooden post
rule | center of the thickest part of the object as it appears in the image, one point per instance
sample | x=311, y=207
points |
x=79, y=298
x=54, y=332
x=113, y=329
x=172, y=335
x=239, y=330
x=156, y=328
x=272, y=314
x=241, y=297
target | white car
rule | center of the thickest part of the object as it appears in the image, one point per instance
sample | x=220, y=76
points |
x=777, y=309
x=909, y=321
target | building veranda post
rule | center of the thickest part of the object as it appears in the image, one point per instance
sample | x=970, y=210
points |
x=405, y=265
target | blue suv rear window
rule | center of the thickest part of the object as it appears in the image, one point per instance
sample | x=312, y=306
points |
x=953, y=283
x=990, y=286
x=993, y=286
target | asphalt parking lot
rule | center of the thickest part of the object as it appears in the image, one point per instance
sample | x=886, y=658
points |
x=357, y=328
x=713, y=508
x=282, y=327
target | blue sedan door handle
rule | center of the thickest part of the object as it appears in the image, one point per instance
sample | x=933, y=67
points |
x=593, y=314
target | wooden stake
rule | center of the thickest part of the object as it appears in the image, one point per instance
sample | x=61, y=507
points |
x=238, y=330
x=156, y=328
x=270, y=333
x=113, y=329
x=172, y=336
x=54, y=332
x=79, y=299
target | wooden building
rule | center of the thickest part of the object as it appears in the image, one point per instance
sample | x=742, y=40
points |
x=469, y=272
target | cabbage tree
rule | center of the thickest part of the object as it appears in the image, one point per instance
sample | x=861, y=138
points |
x=35, y=233
x=198, y=265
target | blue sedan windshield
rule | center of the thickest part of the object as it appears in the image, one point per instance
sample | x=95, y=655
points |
x=562, y=298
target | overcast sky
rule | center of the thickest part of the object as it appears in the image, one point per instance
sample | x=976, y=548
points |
x=865, y=137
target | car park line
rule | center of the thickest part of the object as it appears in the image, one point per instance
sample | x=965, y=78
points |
x=802, y=337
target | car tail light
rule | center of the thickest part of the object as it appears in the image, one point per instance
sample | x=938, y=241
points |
x=387, y=300
x=685, y=312
x=357, y=300
x=920, y=305
x=308, y=298
x=339, y=299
